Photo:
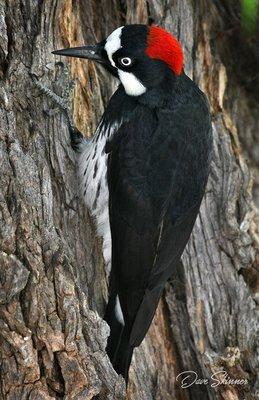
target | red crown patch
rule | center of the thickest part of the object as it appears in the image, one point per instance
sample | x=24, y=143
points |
x=162, y=45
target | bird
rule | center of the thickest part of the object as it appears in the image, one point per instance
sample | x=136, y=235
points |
x=143, y=174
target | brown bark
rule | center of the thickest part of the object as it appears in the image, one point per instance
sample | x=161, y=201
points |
x=52, y=281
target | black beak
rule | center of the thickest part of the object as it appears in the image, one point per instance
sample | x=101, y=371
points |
x=90, y=52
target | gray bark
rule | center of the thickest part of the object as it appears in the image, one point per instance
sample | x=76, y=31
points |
x=52, y=281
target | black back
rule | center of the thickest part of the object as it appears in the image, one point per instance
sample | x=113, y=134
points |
x=157, y=172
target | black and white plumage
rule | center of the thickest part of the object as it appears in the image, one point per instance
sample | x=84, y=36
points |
x=92, y=162
x=143, y=175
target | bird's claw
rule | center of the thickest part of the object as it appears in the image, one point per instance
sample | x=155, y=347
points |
x=76, y=136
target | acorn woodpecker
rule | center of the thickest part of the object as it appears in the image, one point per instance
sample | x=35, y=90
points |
x=143, y=174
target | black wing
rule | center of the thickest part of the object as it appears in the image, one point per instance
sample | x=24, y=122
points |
x=157, y=172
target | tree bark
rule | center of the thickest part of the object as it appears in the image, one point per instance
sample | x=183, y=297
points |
x=53, y=288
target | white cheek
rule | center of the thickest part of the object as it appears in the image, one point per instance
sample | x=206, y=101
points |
x=132, y=86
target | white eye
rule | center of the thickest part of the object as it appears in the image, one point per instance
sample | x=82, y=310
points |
x=125, y=61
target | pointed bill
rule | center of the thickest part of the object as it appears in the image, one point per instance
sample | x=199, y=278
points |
x=88, y=52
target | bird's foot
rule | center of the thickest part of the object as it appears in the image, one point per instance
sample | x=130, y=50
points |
x=76, y=137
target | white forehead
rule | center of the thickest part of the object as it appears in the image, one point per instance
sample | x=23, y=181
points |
x=113, y=43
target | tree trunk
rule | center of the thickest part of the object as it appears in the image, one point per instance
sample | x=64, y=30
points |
x=53, y=288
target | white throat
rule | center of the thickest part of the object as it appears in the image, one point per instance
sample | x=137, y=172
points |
x=132, y=86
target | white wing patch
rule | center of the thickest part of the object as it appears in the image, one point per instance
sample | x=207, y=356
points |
x=132, y=86
x=113, y=43
x=118, y=311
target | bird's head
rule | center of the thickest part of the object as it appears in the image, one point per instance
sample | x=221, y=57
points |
x=140, y=56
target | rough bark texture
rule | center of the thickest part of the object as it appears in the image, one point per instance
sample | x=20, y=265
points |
x=52, y=281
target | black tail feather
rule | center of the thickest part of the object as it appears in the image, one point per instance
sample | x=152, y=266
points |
x=122, y=358
x=116, y=328
x=118, y=347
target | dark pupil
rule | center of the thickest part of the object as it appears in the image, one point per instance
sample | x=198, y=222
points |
x=126, y=61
